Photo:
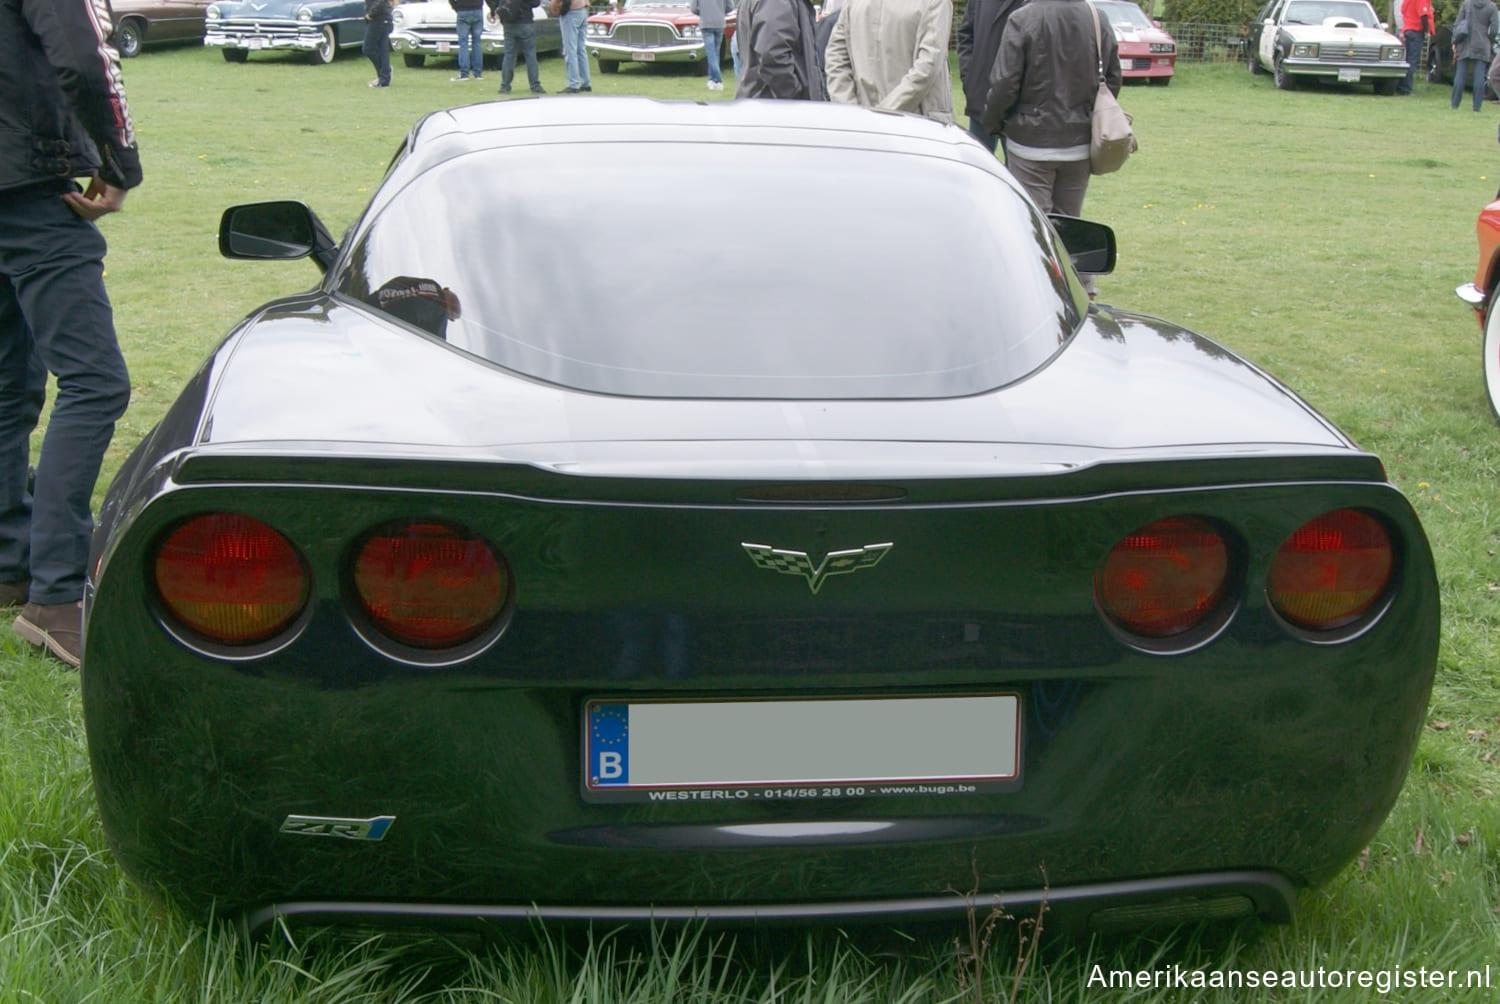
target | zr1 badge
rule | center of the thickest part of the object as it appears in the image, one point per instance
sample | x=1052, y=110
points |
x=329, y=826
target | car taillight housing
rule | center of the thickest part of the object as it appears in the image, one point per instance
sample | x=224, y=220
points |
x=230, y=578
x=429, y=585
x=1165, y=578
x=1331, y=570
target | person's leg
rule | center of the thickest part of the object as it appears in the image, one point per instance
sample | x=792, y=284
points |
x=461, y=29
x=1413, y=41
x=23, y=388
x=378, y=48
x=1035, y=176
x=575, y=51
x=59, y=286
x=711, y=40
x=734, y=54
x=508, y=59
x=1070, y=182
x=986, y=138
x=1459, y=68
x=528, y=49
x=1481, y=71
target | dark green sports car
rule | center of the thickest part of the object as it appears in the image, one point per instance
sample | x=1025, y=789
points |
x=567, y=553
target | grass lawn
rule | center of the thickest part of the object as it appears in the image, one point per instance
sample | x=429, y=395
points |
x=1319, y=232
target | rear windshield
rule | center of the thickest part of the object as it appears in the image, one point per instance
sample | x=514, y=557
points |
x=722, y=270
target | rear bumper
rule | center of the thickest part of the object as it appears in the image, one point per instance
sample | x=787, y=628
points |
x=1103, y=906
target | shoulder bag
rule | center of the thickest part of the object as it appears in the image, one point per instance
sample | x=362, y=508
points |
x=1112, y=139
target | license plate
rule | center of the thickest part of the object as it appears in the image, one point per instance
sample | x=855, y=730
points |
x=442, y=46
x=1348, y=75
x=752, y=750
x=644, y=56
x=255, y=43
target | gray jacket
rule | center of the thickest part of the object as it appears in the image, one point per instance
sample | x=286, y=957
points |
x=1046, y=75
x=1484, y=24
x=711, y=13
x=778, y=51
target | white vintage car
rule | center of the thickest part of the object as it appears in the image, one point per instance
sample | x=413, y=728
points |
x=430, y=28
x=1340, y=40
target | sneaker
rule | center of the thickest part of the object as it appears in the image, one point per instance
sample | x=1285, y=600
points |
x=570, y=90
x=460, y=77
x=57, y=627
x=586, y=89
x=505, y=90
x=376, y=83
x=13, y=594
x=537, y=90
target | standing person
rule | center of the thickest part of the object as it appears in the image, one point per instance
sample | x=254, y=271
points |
x=470, y=15
x=1041, y=99
x=893, y=55
x=978, y=40
x=520, y=33
x=62, y=116
x=778, y=51
x=573, y=19
x=378, y=40
x=1473, y=52
x=828, y=19
x=1417, y=22
x=711, y=15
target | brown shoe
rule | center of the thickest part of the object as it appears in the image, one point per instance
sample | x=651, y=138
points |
x=57, y=627
x=13, y=594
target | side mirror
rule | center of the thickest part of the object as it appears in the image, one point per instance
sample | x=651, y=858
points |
x=275, y=231
x=1090, y=245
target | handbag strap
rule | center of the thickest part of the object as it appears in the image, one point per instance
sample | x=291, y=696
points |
x=1098, y=44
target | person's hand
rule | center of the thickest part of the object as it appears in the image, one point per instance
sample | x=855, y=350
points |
x=99, y=199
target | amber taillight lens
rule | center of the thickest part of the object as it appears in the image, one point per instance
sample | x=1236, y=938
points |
x=1165, y=578
x=1331, y=570
x=430, y=585
x=230, y=578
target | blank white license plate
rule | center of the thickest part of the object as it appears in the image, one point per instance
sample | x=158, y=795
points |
x=256, y=43
x=1349, y=75
x=800, y=749
x=442, y=46
x=645, y=56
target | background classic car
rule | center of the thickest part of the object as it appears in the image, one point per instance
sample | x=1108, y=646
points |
x=1146, y=51
x=317, y=27
x=139, y=23
x=1340, y=40
x=429, y=28
x=651, y=31
x=441, y=594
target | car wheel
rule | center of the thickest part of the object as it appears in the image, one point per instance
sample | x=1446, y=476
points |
x=1284, y=80
x=413, y=59
x=1491, y=360
x=235, y=55
x=1252, y=61
x=1385, y=86
x=128, y=38
x=327, y=47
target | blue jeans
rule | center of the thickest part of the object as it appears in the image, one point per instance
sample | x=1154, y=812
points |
x=378, y=47
x=470, y=49
x=713, y=39
x=54, y=315
x=734, y=53
x=1479, y=69
x=575, y=26
x=523, y=37
x=987, y=139
x=1413, y=41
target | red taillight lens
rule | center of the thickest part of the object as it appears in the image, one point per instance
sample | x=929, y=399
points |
x=1331, y=570
x=430, y=585
x=1164, y=578
x=231, y=578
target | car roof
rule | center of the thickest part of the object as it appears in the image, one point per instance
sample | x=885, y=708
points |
x=605, y=119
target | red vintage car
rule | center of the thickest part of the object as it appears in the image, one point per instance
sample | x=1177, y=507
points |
x=651, y=31
x=1480, y=294
x=1146, y=51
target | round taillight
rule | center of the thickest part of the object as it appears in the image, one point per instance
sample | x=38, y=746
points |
x=1331, y=570
x=430, y=585
x=1165, y=578
x=230, y=578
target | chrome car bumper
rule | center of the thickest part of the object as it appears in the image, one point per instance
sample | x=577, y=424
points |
x=688, y=52
x=1341, y=71
x=254, y=40
x=410, y=41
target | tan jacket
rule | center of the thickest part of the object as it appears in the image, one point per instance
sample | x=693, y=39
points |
x=892, y=55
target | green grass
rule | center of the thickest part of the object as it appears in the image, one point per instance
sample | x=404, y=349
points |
x=1318, y=232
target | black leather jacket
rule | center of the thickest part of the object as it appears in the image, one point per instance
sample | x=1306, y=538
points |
x=62, y=105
